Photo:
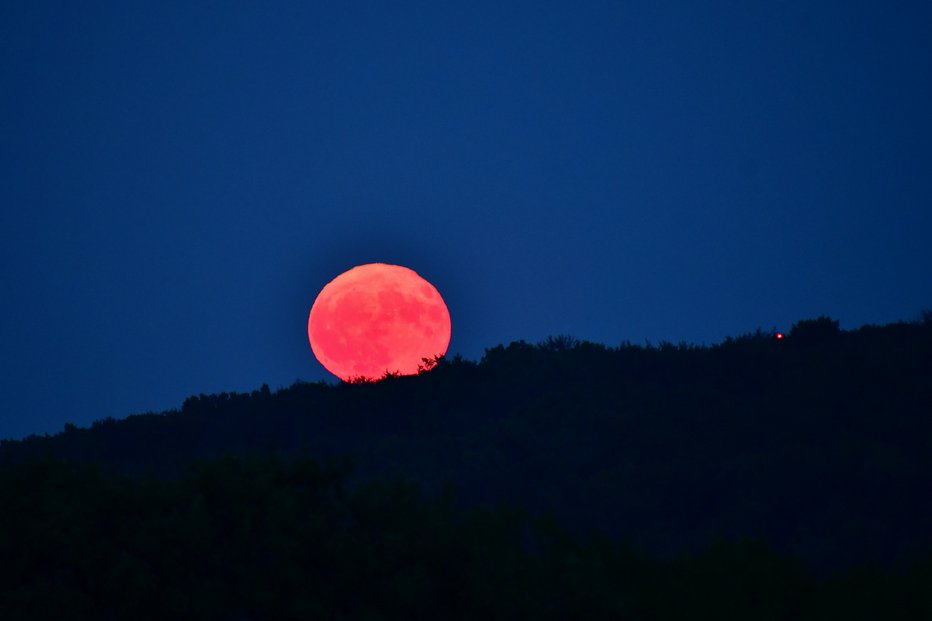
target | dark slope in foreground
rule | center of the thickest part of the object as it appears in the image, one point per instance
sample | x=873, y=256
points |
x=820, y=444
x=256, y=539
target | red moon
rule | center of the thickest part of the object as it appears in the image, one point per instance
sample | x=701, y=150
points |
x=377, y=318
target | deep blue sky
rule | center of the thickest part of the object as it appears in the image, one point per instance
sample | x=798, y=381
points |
x=178, y=180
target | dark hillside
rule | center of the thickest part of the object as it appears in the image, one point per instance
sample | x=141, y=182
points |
x=264, y=539
x=820, y=443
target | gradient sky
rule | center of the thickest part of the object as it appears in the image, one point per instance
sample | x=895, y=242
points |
x=178, y=180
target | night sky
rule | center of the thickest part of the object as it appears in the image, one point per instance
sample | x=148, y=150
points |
x=179, y=180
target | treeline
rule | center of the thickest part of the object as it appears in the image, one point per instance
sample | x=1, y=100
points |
x=260, y=538
x=819, y=443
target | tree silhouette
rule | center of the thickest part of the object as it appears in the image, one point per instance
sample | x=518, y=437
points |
x=817, y=448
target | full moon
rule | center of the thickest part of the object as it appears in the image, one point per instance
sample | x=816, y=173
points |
x=377, y=318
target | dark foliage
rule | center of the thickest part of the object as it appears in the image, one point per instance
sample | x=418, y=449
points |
x=819, y=444
x=258, y=538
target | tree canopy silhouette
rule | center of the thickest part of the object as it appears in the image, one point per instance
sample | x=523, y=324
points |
x=819, y=444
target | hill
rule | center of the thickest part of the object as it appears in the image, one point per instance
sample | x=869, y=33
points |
x=819, y=443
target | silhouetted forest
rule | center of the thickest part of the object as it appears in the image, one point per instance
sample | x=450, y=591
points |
x=756, y=478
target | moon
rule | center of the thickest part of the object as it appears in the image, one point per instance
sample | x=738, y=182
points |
x=377, y=318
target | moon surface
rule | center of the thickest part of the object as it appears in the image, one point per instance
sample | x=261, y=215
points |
x=377, y=318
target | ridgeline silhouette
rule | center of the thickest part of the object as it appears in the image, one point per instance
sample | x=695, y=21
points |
x=756, y=478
